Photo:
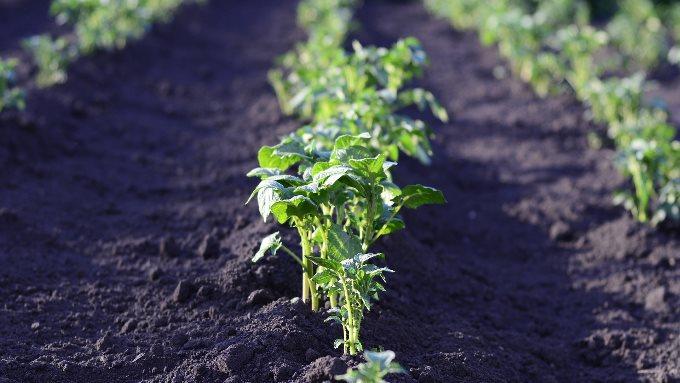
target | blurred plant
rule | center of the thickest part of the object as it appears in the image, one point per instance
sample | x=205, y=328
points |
x=550, y=43
x=98, y=24
x=377, y=366
x=637, y=32
x=11, y=96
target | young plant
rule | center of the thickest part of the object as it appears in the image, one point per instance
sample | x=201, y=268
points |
x=346, y=272
x=356, y=93
x=52, y=56
x=331, y=180
x=349, y=188
x=549, y=43
x=377, y=366
x=97, y=25
x=11, y=96
x=638, y=33
x=668, y=209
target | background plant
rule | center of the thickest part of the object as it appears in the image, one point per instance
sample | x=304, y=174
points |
x=97, y=25
x=377, y=366
x=552, y=47
x=11, y=96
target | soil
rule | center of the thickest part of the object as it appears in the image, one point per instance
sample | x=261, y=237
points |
x=125, y=245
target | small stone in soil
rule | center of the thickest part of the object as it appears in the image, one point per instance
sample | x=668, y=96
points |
x=155, y=273
x=129, y=326
x=104, y=343
x=261, y=296
x=183, y=291
x=35, y=326
x=561, y=231
x=656, y=300
x=209, y=247
x=168, y=248
x=204, y=292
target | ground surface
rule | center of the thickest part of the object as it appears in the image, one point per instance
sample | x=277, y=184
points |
x=110, y=184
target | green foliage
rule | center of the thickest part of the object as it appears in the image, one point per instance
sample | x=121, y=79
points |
x=550, y=46
x=98, y=25
x=11, y=96
x=52, y=56
x=636, y=30
x=331, y=179
x=377, y=366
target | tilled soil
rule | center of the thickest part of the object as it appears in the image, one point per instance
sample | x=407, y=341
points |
x=125, y=244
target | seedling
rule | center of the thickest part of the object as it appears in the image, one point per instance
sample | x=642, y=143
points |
x=11, y=96
x=347, y=189
x=377, y=366
x=97, y=25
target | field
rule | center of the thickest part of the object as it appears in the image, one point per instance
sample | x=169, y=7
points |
x=126, y=243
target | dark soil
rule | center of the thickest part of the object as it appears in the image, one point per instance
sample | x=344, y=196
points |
x=125, y=244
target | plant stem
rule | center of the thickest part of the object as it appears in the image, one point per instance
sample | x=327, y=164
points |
x=292, y=254
x=350, y=319
x=640, y=189
x=370, y=216
x=308, y=285
x=332, y=297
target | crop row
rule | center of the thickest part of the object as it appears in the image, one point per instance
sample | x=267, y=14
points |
x=331, y=180
x=96, y=25
x=553, y=47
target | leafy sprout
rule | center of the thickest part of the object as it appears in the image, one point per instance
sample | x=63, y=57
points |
x=377, y=366
x=11, y=96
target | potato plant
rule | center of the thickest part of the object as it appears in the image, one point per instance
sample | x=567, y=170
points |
x=636, y=30
x=331, y=179
x=552, y=47
x=377, y=366
x=11, y=96
x=98, y=25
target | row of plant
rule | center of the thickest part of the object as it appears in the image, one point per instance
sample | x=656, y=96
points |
x=11, y=96
x=331, y=180
x=96, y=25
x=553, y=47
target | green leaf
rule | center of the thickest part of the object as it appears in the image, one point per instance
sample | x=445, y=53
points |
x=324, y=277
x=263, y=172
x=269, y=157
x=394, y=225
x=328, y=177
x=372, y=167
x=263, y=185
x=329, y=264
x=346, y=141
x=268, y=192
x=343, y=155
x=295, y=207
x=415, y=196
x=363, y=258
x=272, y=242
x=342, y=245
x=383, y=359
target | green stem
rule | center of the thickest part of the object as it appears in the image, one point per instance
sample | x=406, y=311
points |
x=350, y=320
x=332, y=297
x=370, y=216
x=308, y=271
x=384, y=226
x=292, y=254
x=640, y=189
